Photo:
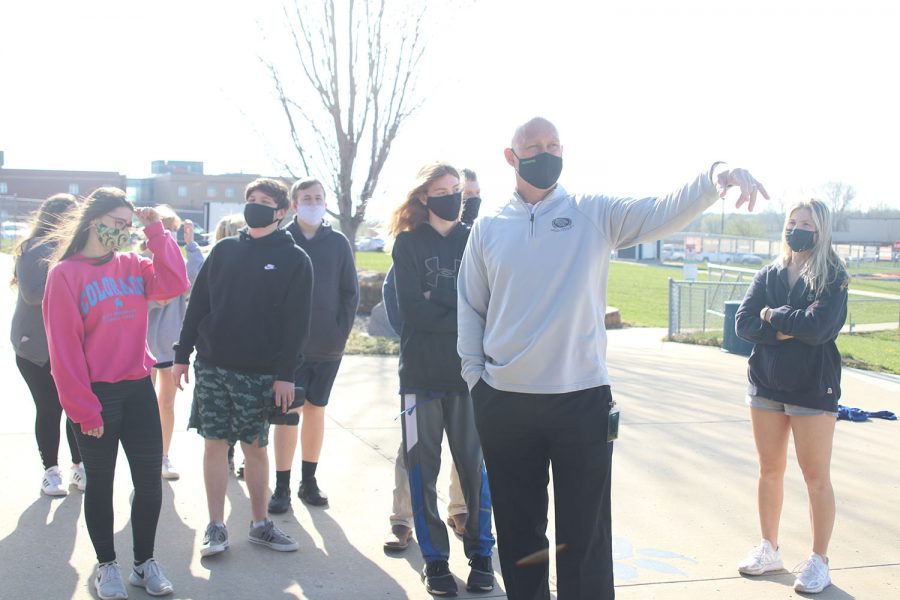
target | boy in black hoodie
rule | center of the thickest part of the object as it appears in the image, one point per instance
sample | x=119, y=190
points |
x=335, y=299
x=248, y=318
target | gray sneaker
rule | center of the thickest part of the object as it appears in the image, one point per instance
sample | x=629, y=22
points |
x=150, y=577
x=108, y=582
x=269, y=535
x=215, y=540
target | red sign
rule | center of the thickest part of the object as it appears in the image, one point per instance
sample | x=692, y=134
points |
x=897, y=246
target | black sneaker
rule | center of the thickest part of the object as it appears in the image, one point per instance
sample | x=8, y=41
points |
x=481, y=577
x=438, y=579
x=280, y=501
x=310, y=493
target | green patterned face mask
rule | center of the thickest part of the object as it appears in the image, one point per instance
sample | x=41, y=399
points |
x=112, y=238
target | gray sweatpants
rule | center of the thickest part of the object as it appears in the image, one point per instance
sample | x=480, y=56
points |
x=402, y=513
x=424, y=421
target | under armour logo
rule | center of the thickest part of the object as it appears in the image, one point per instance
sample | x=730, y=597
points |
x=434, y=272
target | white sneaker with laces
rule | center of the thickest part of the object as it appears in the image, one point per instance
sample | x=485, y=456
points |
x=168, y=471
x=813, y=576
x=108, y=582
x=762, y=559
x=77, y=476
x=150, y=577
x=52, y=484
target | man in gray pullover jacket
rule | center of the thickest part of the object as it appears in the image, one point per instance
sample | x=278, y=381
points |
x=532, y=301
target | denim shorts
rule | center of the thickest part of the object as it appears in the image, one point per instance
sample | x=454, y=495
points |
x=791, y=410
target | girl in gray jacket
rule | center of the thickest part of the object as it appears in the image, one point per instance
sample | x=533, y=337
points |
x=164, y=321
x=29, y=340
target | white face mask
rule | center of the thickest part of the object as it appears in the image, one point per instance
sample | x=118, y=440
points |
x=311, y=214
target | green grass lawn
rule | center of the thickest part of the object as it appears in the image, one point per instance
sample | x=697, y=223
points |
x=876, y=351
x=373, y=261
x=640, y=292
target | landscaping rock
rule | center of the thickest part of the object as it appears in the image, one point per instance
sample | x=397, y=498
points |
x=613, y=319
x=378, y=323
x=370, y=283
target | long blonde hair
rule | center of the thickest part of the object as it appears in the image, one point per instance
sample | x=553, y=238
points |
x=229, y=225
x=412, y=212
x=823, y=267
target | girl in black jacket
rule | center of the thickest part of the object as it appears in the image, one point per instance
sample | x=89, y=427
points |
x=428, y=250
x=793, y=312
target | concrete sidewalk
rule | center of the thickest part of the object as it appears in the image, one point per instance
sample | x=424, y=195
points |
x=684, y=499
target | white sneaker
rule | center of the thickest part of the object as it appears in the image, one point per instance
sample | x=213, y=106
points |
x=150, y=577
x=108, y=582
x=77, y=476
x=762, y=559
x=52, y=484
x=814, y=575
x=168, y=471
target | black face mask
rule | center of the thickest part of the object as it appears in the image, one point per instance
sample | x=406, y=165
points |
x=445, y=207
x=800, y=240
x=470, y=209
x=542, y=171
x=258, y=215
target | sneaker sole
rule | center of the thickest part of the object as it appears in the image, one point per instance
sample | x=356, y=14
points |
x=136, y=582
x=806, y=590
x=779, y=566
x=171, y=477
x=213, y=550
x=291, y=548
x=122, y=596
x=56, y=494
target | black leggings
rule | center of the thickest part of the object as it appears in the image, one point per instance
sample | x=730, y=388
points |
x=130, y=415
x=47, y=413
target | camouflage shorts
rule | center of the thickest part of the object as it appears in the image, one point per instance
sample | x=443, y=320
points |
x=231, y=406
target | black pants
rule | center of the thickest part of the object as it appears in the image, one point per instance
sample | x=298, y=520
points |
x=47, y=413
x=521, y=436
x=130, y=415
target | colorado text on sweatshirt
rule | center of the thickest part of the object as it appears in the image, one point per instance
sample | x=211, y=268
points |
x=96, y=320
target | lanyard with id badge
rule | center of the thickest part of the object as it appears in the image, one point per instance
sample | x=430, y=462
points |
x=612, y=422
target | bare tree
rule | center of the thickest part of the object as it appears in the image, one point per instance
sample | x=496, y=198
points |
x=358, y=70
x=839, y=197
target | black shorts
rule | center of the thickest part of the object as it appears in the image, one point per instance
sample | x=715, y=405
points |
x=317, y=377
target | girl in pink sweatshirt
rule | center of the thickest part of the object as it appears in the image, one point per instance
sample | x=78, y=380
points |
x=95, y=312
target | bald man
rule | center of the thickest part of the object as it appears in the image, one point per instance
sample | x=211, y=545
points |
x=532, y=302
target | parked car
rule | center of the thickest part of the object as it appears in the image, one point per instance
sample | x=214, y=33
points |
x=370, y=244
x=670, y=252
x=14, y=230
x=750, y=259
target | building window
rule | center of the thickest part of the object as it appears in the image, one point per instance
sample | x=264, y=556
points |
x=73, y=189
x=211, y=191
x=182, y=191
x=229, y=192
x=3, y=188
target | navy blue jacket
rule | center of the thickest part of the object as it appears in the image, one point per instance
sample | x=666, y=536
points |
x=806, y=370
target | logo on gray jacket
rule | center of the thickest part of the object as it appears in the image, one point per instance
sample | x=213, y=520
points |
x=562, y=224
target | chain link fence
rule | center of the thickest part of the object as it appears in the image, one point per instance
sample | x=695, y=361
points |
x=699, y=306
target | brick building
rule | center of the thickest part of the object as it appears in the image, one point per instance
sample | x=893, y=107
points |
x=22, y=190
